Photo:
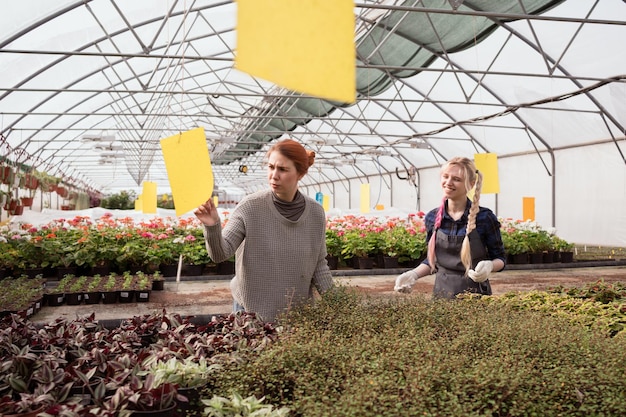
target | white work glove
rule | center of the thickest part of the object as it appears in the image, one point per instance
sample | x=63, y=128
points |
x=481, y=272
x=405, y=281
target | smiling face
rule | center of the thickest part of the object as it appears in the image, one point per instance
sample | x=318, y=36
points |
x=453, y=182
x=282, y=176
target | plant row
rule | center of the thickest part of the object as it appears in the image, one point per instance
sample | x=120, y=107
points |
x=552, y=353
x=412, y=356
x=26, y=296
x=123, y=244
x=150, y=362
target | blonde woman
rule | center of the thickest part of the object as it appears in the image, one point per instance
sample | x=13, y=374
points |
x=464, y=241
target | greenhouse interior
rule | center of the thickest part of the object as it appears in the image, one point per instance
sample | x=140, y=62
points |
x=119, y=119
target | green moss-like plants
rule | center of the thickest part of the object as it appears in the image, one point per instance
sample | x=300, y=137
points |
x=353, y=356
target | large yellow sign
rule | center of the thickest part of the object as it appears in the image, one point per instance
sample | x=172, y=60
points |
x=189, y=169
x=303, y=45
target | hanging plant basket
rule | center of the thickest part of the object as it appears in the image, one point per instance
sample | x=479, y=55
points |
x=11, y=205
x=47, y=187
x=6, y=174
x=31, y=182
x=27, y=201
x=62, y=191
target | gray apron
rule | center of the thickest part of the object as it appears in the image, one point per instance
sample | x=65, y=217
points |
x=451, y=279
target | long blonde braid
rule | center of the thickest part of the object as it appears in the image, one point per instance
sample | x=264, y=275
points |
x=432, y=258
x=472, y=175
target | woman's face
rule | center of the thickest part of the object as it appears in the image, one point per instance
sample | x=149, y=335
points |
x=282, y=176
x=453, y=182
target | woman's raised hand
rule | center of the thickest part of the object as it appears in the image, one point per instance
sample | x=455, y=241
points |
x=207, y=213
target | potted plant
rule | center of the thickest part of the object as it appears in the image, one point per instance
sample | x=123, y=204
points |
x=55, y=295
x=27, y=201
x=3, y=196
x=411, y=245
x=77, y=288
x=110, y=289
x=8, y=258
x=97, y=249
x=34, y=384
x=516, y=246
x=358, y=246
x=564, y=248
x=21, y=295
x=158, y=281
x=334, y=245
x=162, y=253
x=7, y=174
x=539, y=241
x=31, y=181
x=142, y=396
x=92, y=293
x=195, y=257
x=143, y=286
x=236, y=405
x=30, y=258
x=28, y=405
x=189, y=375
x=59, y=250
x=127, y=291
x=391, y=246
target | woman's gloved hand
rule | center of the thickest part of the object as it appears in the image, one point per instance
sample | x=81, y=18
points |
x=405, y=281
x=481, y=272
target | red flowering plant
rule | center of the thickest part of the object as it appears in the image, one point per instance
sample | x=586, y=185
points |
x=28, y=244
x=163, y=250
x=412, y=237
x=361, y=236
x=8, y=254
x=98, y=246
x=132, y=249
x=523, y=237
x=193, y=250
x=335, y=240
x=60, y=247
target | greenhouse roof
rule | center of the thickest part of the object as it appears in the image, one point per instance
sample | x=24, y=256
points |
x=90, y=87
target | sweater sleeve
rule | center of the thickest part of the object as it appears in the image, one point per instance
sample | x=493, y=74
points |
x=322, y=278
x=222, y=244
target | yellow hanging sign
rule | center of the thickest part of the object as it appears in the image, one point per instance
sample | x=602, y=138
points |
x=303, y=45
x=365, y=198
x=139, y=203
x=487, y=163
x=189, y=170
x=149, y=197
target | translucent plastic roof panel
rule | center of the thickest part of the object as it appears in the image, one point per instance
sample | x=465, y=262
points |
x=435, y=78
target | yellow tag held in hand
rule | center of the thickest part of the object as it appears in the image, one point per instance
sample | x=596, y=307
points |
x=189, y=170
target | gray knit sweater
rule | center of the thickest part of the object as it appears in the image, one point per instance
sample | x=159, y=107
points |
x=277, y=261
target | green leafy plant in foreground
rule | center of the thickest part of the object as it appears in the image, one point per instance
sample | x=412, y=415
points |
x=236, y=406
x=353, y=356
x=598, y=306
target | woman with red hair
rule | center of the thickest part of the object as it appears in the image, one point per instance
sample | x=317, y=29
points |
x=278, y=237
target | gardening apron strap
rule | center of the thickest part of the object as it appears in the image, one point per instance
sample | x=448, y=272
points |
x=451, y=279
